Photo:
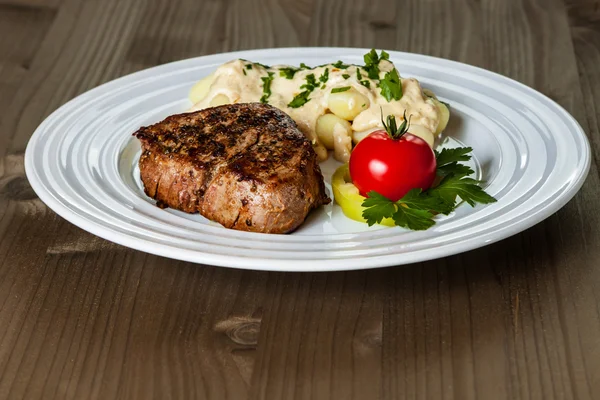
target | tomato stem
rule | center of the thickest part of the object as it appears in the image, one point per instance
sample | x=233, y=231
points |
x=393, y=130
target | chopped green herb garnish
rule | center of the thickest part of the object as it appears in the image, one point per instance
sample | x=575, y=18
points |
x=391, y=87
x=288, y=72
x=302, y=98
x=345, y=76
x=304, y=66
x=325, y=77
x=372, y=62
x=262, y=65
x=362, y=81
x=311, y=83
x=248, y=66
x=299, y=100
x=244, y=71
x=266, y=87
x=340, y=89
x=339, y=64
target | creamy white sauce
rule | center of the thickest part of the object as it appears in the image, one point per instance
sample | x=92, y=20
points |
x=243, y=85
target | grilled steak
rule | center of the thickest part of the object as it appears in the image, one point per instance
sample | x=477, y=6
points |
x=246, y=166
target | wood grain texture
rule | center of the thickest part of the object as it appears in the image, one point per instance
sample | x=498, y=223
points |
x=84, y=318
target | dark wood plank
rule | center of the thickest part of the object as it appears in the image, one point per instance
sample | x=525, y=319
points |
x=323, y=332
x=83, y=318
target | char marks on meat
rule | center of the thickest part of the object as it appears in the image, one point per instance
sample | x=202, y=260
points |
x=246, y=166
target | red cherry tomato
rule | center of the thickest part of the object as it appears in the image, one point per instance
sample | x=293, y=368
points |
x=392, y=167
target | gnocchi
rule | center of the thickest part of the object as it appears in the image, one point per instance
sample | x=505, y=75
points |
x=336, y=134
x=200, y=89
x=342, y=145
x=327, y=124
x=219, y=100
x=335, y=105
x=358, y=136
x=347, y=104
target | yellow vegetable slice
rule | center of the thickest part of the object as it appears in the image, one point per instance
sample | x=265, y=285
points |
x=444, y=116
x=346, y=195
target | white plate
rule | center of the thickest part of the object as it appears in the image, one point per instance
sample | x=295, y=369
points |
x=82, y=162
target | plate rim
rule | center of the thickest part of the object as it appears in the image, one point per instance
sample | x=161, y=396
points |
x=307, y=265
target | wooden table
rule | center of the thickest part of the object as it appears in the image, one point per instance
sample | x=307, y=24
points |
x=82, y=318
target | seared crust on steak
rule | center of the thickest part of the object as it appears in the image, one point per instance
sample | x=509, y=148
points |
x=246, y=166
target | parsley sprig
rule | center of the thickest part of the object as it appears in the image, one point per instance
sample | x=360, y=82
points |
x=417, y=208
x=391, y=87
x=372, y=62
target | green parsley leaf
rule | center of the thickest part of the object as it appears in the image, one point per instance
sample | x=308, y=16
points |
x=467, y=189
x=300, y=99
x=447, y=156
x=418, y=199
x=266, y=87
x=288, y=72
x=248, y=66
x=371, y=57
x=417, y=220
x=372, y=64
x=340, y=89
x=448, y=162
x=304, y=66
x=391, y=87
x=372, y=61
x=377, y=207
x=454, y=169
x=345, y=76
